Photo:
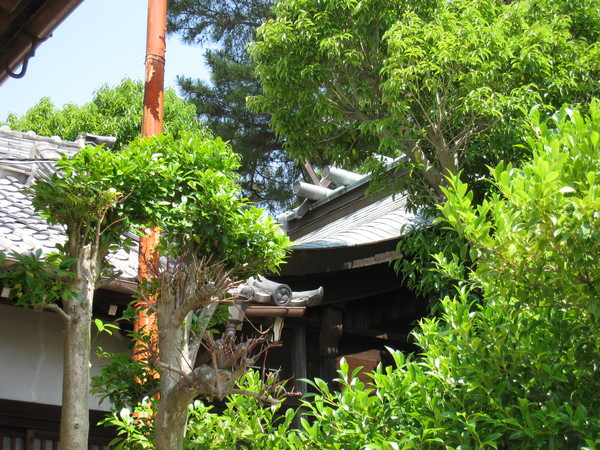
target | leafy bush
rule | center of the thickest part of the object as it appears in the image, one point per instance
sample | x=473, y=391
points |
x=245, y=421
x=520, y=369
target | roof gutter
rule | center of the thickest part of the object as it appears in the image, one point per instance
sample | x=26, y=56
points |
x=20, y=46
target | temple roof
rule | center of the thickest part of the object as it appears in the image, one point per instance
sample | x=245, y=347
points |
x=379, y=221
x=348, y=227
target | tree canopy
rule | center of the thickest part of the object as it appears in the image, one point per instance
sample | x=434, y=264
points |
x=439, y=82
x=114, y=111
x=226, y=28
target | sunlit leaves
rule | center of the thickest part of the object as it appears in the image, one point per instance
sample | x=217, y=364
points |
x=441, y=82
x=190, y=191
x=36, y=281
x=113, y=111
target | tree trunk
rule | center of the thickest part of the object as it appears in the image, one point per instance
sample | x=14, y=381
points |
x=171, y=419
x=75, y=422
x=74, y=427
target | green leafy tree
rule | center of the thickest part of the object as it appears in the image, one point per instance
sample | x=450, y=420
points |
x=114, y=111
x=519, y=368
x=516, y=367
x=228, y=27
x=213, y=238
x=187, y=186
x=439, y=82
x=86, y=196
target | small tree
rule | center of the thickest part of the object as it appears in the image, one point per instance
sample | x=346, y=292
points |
x=212, y=238
x=184, y=185
x=87, y=196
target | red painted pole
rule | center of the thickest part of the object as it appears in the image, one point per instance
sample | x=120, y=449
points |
x=152, y=121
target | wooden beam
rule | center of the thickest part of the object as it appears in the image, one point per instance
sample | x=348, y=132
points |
x=9, y=5
x=310, y=172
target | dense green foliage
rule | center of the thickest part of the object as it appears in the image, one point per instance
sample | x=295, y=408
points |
x=245, y=421
x=189, y=189
x=440, y=82
x=515, y=367
x=520, y=368
x=113, y=111
x=227, y=27
x=417, y=266
x=37, y=280
x=186, y=185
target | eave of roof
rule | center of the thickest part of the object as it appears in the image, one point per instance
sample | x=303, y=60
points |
x=24, y=24
x=350, y=228
x=320, y=260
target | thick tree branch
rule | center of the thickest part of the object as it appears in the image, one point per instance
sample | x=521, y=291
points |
x=208, y=281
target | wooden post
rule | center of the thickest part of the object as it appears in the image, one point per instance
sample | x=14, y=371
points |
x=299, y=367
x=156, y=42
x=299, y=358
x=329, y=338
x=152, y=121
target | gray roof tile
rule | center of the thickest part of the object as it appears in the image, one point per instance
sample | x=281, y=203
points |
x=382, y=220
x=22, y=230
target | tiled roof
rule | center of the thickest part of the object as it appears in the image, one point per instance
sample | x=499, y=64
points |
x=24, y=157
x=21, y=229
x=379, y=221
x=348, y=216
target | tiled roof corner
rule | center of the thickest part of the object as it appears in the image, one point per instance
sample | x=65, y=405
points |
x=349, y=215
x=24, y=157
x=27, y=156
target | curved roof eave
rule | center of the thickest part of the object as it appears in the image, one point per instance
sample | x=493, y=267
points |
x=325, y=259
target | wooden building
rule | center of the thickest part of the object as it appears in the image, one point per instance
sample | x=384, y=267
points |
x=345, y=242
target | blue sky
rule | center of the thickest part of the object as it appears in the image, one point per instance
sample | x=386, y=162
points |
x=102, y=41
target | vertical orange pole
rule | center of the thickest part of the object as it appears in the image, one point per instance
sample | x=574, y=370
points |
x=152, y=122
x=156, y=44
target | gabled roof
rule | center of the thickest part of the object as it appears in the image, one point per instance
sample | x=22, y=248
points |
x=23, y=158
